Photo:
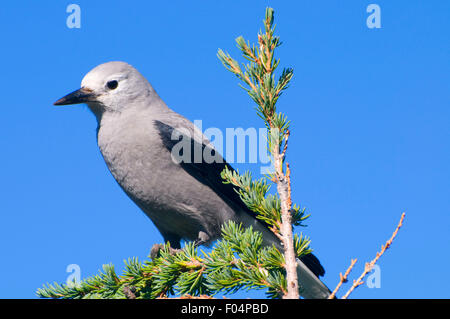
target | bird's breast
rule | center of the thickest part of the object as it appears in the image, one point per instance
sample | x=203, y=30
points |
x=131, y=153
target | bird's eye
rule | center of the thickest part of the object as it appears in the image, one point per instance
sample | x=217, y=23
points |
x=112, y=84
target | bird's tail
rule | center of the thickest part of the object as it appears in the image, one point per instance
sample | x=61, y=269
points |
x=308, y=267
x=311, y=287
x=308, y=271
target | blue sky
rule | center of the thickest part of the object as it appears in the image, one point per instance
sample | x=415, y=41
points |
x=370, y=130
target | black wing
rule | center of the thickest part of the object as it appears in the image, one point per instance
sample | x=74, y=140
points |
x=206, y=173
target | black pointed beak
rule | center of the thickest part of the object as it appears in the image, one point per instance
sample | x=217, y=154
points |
x=82, y=95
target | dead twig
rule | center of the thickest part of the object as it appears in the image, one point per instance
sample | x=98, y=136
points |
x=369, y=266
x=343, y=279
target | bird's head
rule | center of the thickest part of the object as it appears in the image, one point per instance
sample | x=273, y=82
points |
x=110, y=87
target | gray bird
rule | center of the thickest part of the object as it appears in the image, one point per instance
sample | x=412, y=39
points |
x=186, y=200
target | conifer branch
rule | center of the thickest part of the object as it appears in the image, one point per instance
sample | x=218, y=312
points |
x=238, y=261
x=265, y=91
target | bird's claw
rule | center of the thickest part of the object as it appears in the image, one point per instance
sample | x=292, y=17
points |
x=156, y=248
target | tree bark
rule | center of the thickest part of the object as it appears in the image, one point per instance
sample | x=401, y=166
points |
x=284, y=190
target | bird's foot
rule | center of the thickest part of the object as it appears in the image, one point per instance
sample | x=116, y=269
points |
x=156, y=248
x=202, y=239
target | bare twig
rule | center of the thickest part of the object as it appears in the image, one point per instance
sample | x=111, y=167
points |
x=369, y=266
x=343, y=279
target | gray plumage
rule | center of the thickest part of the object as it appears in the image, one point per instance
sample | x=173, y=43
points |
x=185, y=200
